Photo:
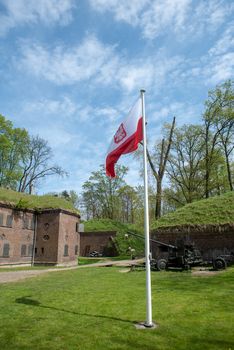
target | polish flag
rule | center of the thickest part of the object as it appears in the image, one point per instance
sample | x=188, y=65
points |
x=126, y=138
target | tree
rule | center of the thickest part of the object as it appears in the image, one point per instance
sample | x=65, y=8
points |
x=218, y=125
x=128, y=203
x=13, y=147
x=185, y=168
x=36, y=164
x=100, y=193
x=161, y=155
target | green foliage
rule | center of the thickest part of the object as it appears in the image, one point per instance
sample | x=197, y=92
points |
x=96, y=309
x=215, y=210
x=122, y=242
x=23, y=203
x=70, y=196
x=218, y=122
x=26, y=201
x=100, y=198
x=13, y=148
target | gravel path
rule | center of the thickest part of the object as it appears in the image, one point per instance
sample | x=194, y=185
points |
x=14, y=276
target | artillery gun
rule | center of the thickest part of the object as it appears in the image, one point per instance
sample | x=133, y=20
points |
x=184, y=255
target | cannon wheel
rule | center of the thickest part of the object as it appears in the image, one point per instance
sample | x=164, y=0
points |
x=219, y=264
x=161, y=264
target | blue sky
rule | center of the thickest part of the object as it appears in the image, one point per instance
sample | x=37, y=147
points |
x=70, y=71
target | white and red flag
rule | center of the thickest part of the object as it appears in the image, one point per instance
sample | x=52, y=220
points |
x=126, y=138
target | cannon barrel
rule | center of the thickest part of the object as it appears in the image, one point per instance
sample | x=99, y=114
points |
x=153, y=240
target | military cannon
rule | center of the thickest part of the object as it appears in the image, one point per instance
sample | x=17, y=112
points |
x=183, y=255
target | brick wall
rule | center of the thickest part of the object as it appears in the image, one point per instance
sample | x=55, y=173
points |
x=46, y=248
x=69, y=239
x=16, y=236
x=211, y=240
x=100, y=241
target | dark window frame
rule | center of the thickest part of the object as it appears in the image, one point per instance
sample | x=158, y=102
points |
x=1, y=219
x=30, y=250
x=9, y=220
x=25, y=222
x=6, y=250
x=65, y=252
x=23, y=250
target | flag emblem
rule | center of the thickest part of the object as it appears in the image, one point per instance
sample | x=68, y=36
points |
x=120, y=134
x=126, y=138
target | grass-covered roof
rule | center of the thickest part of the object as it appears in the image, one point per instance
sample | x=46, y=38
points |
x=26, y=201
x=215, y=210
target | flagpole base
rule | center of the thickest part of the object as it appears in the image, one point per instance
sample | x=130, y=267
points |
x=144, y=325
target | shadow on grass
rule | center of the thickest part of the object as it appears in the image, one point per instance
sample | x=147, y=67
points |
x=28, y=301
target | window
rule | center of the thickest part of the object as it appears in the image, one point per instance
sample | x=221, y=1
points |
x=76, y=249
x=35, y=250
x=1, y=219
x=32, y=224
x=6, y=249
x=9, y=220
x=30, y=249
x=23, y=250
x=77, y=227
x=25, y=222
x=42, y=251
x=46, y=237
x=65, y=250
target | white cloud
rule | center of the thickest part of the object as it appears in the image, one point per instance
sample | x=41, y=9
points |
x=221, y=69
x=217, y=65
x=225, y=43
x=127, y=11
x=21, y=12
x=63, y=107
x=155, y=18
x=184, y=113
x=213, y=12
x=163, y=15
x=63, y=65
x=97, y=64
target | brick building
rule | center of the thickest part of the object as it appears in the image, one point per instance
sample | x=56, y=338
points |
x=46, y=237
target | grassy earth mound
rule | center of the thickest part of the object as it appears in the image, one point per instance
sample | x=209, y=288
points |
x=215, y=210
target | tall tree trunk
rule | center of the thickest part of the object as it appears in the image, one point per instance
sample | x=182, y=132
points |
x=229, y=172
x=158, y=206
x=158, y=175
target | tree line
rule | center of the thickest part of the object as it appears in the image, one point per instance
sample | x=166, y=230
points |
x=189, y=163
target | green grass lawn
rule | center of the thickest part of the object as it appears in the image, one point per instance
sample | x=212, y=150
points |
x=96, y=308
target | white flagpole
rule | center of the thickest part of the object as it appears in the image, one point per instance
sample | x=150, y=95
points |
x=148, y=322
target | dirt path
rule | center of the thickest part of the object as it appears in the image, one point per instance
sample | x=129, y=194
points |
x=14, y=276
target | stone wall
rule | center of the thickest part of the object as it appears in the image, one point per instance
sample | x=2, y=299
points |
x=100, y=241
x=211, y=240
